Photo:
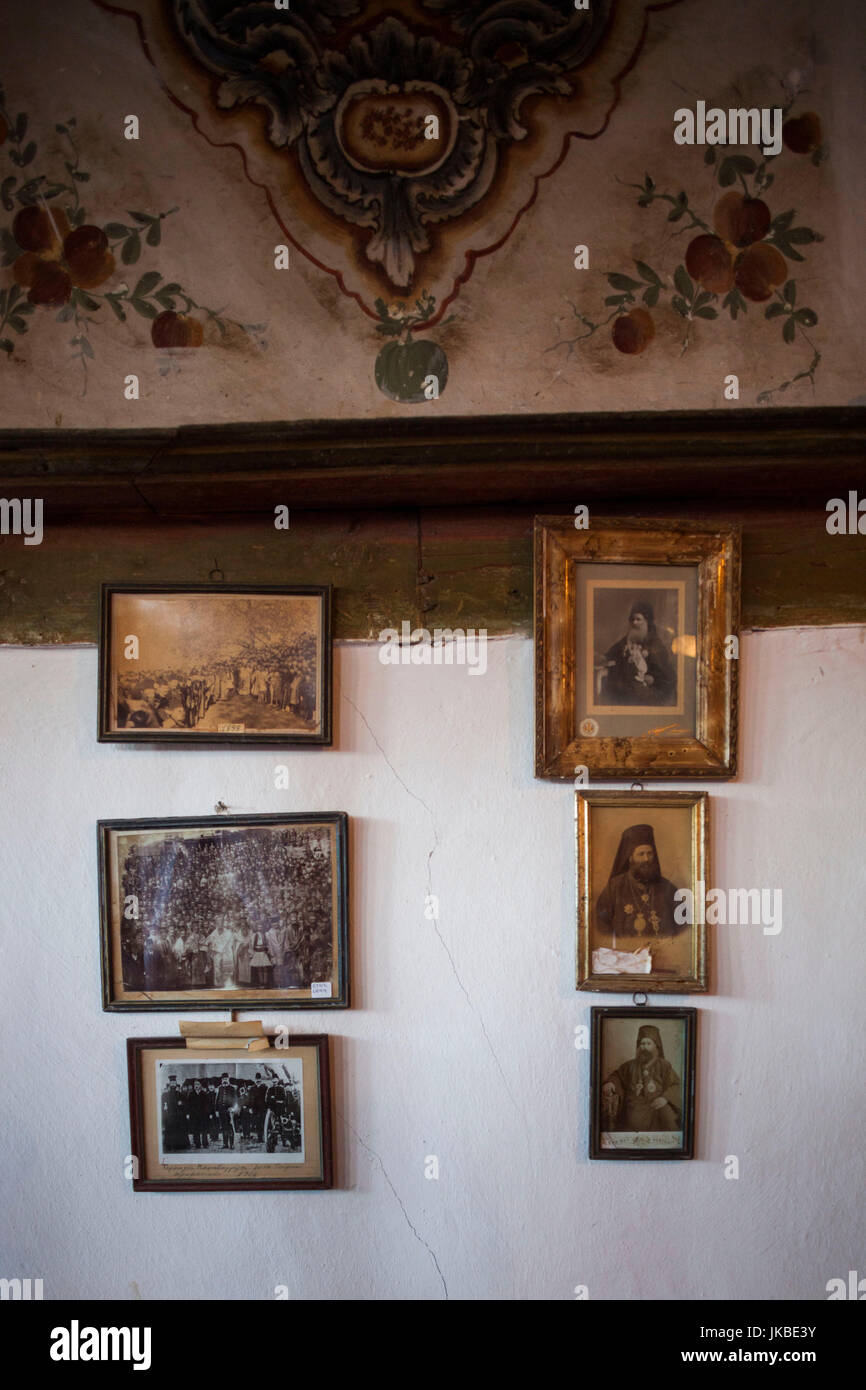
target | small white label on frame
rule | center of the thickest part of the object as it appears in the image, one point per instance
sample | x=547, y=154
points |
x=321, y=989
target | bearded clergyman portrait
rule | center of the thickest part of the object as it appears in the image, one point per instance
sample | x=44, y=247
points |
x=639, y=668
x=637, y=904
x=644, y=1093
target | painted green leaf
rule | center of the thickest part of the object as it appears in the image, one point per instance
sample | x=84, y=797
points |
x=615, y=299
x=647, y=273
x=154, y=236
x=86, y=348
x=727, y=173
x=789, y=292
x=680, y=305
x=143, y=217
x=773, y=311
x=148, y=282
x=115, y=231
x=622, y=282
x=801, y=236
x=706, y=313
x=29, y=154
x=86, y=302
x=65, y=313
x=789, y=330
x=80, y=176
x=683, y=282
x=114, y=305
x=131, y=249
x=142, y=307
x=651, y=296
x=7, y=345
x=807, y=317
x=5, y=189
x=20, y=325
x=21, y=126
x=62, y=129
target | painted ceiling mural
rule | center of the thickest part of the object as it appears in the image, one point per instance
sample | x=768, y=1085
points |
x=397, y=144
x=428, y=167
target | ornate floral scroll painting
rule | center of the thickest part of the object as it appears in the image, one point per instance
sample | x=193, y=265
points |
x=396, y=147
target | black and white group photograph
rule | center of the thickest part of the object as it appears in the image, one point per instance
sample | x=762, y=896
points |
x=228, y=1111
x=221, y=911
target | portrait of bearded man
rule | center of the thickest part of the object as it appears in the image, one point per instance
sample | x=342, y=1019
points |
x=637, y=900
x=639, y=668
x=644, y=1093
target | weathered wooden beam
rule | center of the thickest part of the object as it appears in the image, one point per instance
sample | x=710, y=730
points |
x=469, y=567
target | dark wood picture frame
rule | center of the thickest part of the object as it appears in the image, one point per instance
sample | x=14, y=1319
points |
x=135, y=1047
x=639, y=1015
x=235, y=999
x=108, y=734
x=714, y=551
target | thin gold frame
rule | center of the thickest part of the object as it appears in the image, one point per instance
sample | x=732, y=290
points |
x=714, y=550
x=697, y=981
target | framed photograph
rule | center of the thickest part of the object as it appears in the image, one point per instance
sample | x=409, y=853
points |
x=225, y=912
x=642, y=1092
x=636, y=927
x=636, y=648
x=207, y=663
x=209, y=1120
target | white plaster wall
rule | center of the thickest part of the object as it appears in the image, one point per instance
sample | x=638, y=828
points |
x=460, y=1043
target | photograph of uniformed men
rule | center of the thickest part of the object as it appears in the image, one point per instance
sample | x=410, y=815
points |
x=215, y=663
x=642, y=1092
x=634, y=632
x=229, y=1111
x=249, y=909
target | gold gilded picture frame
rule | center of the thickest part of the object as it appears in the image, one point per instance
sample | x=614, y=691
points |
x=665, y=935
x=688, y=731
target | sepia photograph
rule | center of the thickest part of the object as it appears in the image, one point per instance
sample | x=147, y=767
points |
x=225, y=912
x=207, y=1119
x=642, y=1093
x=215, y=664
x=635, y=648
x=636, y=928
x=225, y=1111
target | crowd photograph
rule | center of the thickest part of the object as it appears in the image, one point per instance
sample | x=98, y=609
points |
x=248, y=909
x=192, y=663
x=220, y=1111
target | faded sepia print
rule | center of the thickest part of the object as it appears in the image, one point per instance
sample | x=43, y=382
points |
x=643, y=1083
x=215, y=666
x=635, y=853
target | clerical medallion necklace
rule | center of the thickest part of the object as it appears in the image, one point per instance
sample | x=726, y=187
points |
x=642, y=902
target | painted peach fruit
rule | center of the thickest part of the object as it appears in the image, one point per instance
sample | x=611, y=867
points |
x=709, y=262
x=634, y=331
x=170, y=330
x=758, y=271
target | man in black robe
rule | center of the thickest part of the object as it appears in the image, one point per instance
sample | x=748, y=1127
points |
x=639, y=667
x=637, y=901
x=645, y=1093
x=174, y=1131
